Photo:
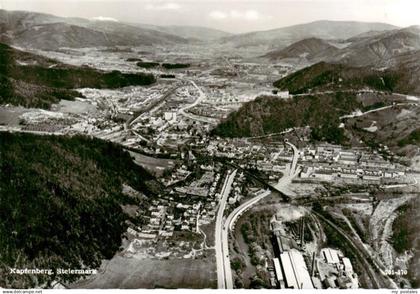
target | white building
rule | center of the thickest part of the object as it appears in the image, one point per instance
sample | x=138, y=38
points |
x=295, y=271
x=283, y=94
x=348, y=268
x=170, y=116
x=331, y=255
x=279, y=273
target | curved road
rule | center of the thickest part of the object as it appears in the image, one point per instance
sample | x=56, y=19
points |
x=294, y=160
x=224, y=271
x=200, y=98
x=222, y=250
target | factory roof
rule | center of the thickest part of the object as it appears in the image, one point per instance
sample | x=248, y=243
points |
x=295, y=271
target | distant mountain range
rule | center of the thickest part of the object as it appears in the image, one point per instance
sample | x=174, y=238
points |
x=328, y=30
x=49, y=32
x=381, y=49
x=189, y=32
x=346, y=42
x=43, y=31
x=308, y=49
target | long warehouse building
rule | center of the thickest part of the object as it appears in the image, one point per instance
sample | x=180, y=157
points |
x=296, y=273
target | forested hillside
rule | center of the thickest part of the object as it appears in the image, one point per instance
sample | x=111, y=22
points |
x=267, y=115
x=60, y=200
x=326, y=76
x=34, y=81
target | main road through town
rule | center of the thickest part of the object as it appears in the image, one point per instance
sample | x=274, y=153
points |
x=222, y=249
x=294, y=159
x=228, y=226
x=224, y=271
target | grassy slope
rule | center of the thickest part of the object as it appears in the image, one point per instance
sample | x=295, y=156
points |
x=43, y=81
x=60, y=203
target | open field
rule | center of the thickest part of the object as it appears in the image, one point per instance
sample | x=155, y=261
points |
x=76, y=107
x=10, y=115
x=155, y=165
x=209, y=230
x=130, y=273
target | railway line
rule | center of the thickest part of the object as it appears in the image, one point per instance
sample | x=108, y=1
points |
x=373, y=270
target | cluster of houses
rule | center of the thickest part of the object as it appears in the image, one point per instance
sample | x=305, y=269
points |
x=178, y=175
x=165, y=217
x=236, y=148
x=201, y=186
x=188, y=205
x=324, y=162
x=330, y=162
x=336, y=172
x=184, y=208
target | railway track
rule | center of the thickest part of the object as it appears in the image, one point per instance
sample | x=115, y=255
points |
x=373, y=270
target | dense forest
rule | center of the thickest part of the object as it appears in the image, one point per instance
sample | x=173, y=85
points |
x=60, y=200
x=413, y=138
x=150, y=64
x=175, y=65
x=267, y=115
x=35, y=81
x=147, y=64
x=405, y=237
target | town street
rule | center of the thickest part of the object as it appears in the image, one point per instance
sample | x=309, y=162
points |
x=226, y=282
x=222, y=249
x=201, y=97
x=229, y=226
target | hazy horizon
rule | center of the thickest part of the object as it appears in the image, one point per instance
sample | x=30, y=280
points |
x=232, y=16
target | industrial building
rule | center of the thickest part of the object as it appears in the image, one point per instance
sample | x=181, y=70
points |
x=331, y=256
x=348, y=268
x=294, y=271
x=279, y=273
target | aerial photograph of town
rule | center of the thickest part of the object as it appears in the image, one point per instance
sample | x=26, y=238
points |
x=209, y=144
